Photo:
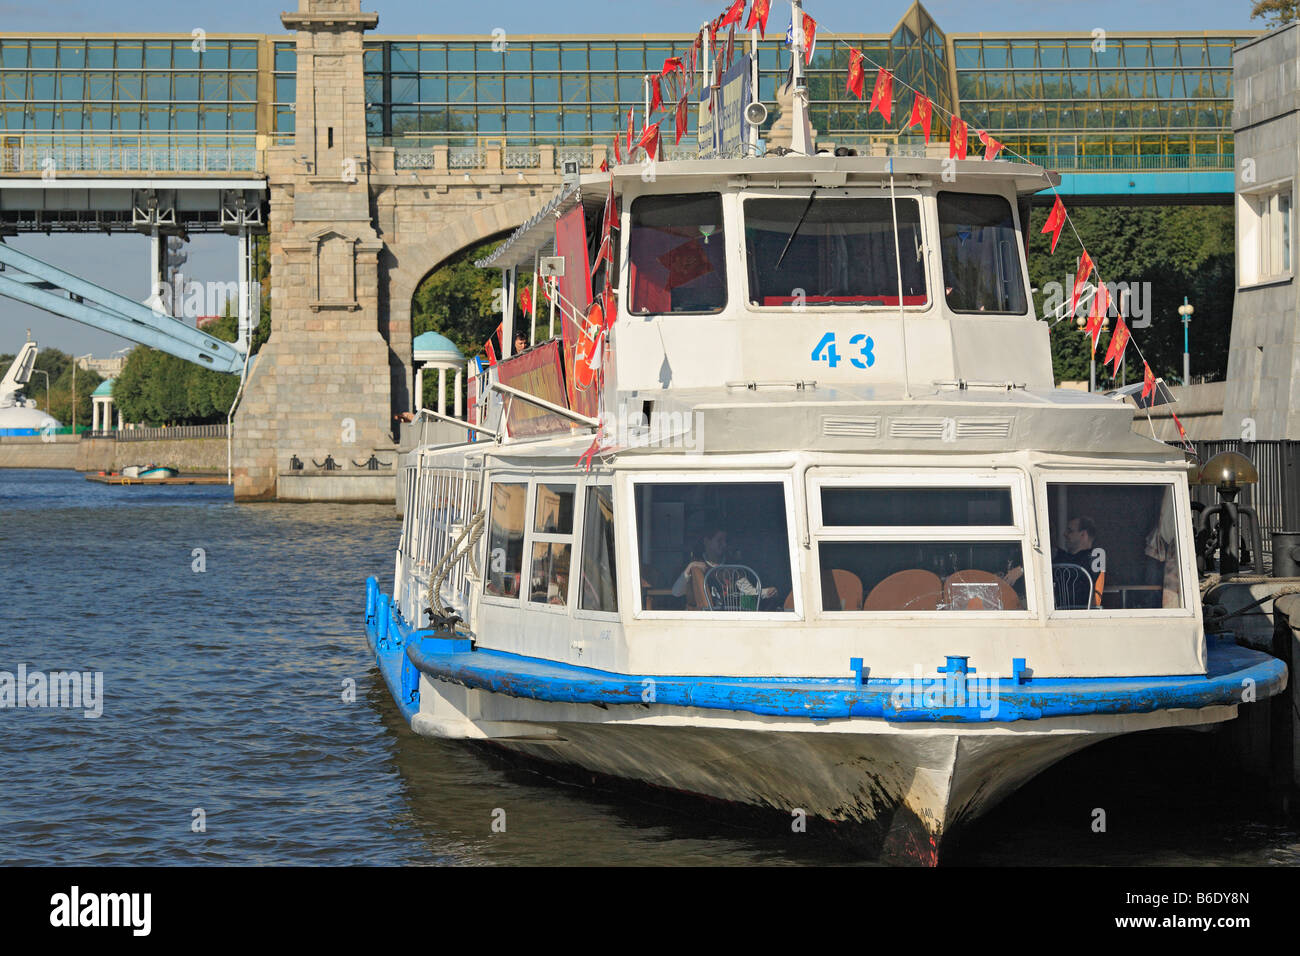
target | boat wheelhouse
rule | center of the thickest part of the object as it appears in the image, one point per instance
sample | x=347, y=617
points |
x=782, y=506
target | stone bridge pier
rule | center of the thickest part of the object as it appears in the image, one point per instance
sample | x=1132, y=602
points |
x=353, y=230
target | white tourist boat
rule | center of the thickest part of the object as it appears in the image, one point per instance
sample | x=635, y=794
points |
x=20, y=415
x=805, y=524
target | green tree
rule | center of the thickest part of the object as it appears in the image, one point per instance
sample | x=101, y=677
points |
x=155, y=388
x=1180, y=251
x=1275, y=13
x=58, y=366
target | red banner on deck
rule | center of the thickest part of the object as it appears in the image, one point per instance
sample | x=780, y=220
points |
x=537, y=372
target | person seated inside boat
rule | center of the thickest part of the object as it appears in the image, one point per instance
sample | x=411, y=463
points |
x=521, y=342
x=1079, y=550
x=710, y=552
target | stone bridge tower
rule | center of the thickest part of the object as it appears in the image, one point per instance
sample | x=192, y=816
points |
x=322, y=384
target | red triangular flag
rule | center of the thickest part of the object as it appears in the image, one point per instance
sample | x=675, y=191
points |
x=809, y=37
x=606, y=251
x=1148, y=382
x=1118, y=342
x=1097, y=314
x=492, y=352
x=1182, y=432
x=525, y=301
x=882, y=96
x=921, y=111
x=1055, y=221
x=1085, y=270
x=670, y=64
x=656, y=96
x=857, y=75
x=696, y=47
x=650, y=140
x=733, y=14
x=682, y=119
x=991, y=146
x=957, y=139
x=629, y=132
x=758, y=16
x=618, y=150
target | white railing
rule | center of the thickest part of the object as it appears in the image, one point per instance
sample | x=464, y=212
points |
x=440, y=503
x=63, y=157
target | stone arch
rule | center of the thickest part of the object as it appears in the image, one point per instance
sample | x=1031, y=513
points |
x=410, y=262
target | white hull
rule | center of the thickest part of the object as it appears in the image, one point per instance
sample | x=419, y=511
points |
x=911, y=785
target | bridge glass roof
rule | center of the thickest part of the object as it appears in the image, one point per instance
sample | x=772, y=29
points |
x=1162, y=99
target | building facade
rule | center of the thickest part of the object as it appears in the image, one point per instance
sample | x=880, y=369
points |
x=1263, y=384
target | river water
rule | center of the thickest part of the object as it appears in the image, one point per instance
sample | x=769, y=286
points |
x=230, y=636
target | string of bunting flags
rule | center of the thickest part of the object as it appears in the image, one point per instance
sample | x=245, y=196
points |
x=679, y=75
x=958, y=147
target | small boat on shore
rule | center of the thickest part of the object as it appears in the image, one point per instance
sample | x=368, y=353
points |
x=834, y=544
x=149, y=471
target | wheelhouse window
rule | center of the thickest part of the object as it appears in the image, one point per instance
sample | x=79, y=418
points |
x=1114, y=546
x=713, y=546
x=913, y=548
x=506, y=539
x=677, y=255
x=599, y=579
x=981, y=254
x=552, y=540
x=831, y=251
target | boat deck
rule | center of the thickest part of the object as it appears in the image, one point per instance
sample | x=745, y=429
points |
x=178, y=480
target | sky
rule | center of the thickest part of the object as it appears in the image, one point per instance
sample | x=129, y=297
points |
x=119, y=262
x=637, y=16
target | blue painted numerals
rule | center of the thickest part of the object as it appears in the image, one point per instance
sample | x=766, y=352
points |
x=863, y=344
x=826, y=351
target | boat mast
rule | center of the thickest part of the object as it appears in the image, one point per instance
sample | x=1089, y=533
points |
x=801, y=134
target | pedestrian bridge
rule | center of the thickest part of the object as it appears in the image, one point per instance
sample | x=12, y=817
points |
x=53, y=164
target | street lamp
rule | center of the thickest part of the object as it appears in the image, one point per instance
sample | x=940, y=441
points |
x=75, y=360
x=1186, y=310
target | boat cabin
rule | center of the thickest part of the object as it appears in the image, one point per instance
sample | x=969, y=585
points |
x=813, y=422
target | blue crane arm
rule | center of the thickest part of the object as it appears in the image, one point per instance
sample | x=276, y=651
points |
x=95, y=306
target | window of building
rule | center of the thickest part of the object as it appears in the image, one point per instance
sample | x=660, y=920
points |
x=981, y=254
x=677, y=254
x=817, y=250
x=552, y=541
x=505, y=557
x=713, y=546
x=908, y=548
x=599, y=588
x=1264, y=235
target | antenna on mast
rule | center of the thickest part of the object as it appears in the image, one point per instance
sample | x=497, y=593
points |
x=801, y=134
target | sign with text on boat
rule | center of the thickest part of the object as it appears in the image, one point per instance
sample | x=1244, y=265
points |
x=722, y=128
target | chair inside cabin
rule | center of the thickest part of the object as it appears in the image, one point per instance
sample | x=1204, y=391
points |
x=732, y=587
x=911, y=590
x=976, y=590
x=846, y=590
x=1073, y=588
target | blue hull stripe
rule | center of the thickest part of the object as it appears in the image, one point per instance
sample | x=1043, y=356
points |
x=1232, y=671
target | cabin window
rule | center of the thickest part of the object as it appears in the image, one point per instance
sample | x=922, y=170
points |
x=919, y=549
x=506, y=539
x=1114, y=546
x=713, y=546
x=981, y=254
x=824, y=251
x=599, y=581
x=552, y=539
x=677, y=255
